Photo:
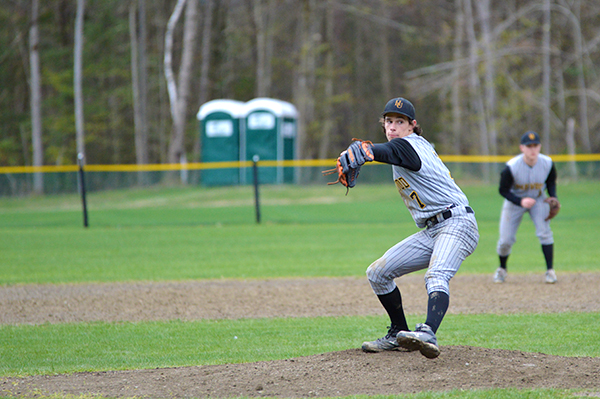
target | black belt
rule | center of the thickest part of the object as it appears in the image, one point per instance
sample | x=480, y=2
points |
x=447, y=214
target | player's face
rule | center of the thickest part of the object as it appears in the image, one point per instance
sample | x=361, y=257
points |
x=397, y=126
x=530, y=153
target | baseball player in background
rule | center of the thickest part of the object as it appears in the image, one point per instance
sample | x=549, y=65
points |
x=437, y=205
x=523, y=183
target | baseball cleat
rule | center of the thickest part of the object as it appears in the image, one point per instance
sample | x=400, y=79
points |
x=500, y=275
x=550, y=276
x=387, y=343
x=422, y=339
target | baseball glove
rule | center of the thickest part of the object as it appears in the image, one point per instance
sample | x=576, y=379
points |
x=346, y=174
x=349, y=163
x=359, y=152
x=554, y=207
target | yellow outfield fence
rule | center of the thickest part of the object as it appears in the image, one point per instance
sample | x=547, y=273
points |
x=166, y=167
x=244, y=164
x=59, y=179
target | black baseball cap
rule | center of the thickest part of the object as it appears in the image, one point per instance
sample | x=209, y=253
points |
x=400, y=106
x=530, y=137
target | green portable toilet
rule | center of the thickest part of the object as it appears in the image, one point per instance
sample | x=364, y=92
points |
x=269, y=130
x=220, y=139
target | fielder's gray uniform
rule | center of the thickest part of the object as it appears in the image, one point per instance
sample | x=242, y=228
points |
x=527, y=181
x=435, y=202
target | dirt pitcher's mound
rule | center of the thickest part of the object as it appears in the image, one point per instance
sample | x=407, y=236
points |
x=344, y=373
x=350, y=372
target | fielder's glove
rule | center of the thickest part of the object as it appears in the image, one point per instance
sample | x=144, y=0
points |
x=554, y=207
x=349, y=163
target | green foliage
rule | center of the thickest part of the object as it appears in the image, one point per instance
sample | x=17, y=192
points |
x=9, y=150
x=416, y=42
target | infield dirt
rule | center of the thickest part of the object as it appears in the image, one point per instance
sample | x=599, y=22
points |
x=349, y=372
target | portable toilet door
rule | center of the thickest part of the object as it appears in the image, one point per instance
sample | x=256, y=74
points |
x=220, y=140
x=289, y=129
x=269, y=131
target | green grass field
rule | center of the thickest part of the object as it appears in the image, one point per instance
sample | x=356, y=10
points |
x=210, y=233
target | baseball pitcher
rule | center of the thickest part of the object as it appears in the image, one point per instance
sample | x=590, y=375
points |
x=437, y=205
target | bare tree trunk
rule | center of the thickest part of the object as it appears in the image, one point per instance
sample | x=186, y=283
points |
x=560, y=91
x=306, y=73
x=228, y=67
x=204, y=66
x=385, y=67
x=36, y=99
x=570, y=138
x=483, y=7
x=583, y=108
x=263, y=20
x=268, y=72
x=143, y=82
x=358, y=75
x=457, y=122
x=474, y=86
x=206, y=41
x=190, y=29
x=161, y=111
x=77, y=77
x=179, y=92
x=300, y=83
x=141, y=149
x=169, y=75
x=261, y=45
x=546, y=78
x=113, y=127
x=329, y=78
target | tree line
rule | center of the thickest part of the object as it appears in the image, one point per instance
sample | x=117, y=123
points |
x=122, y=81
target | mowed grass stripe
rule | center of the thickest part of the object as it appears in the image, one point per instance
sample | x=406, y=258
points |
x=65, y=348
x=72, y=255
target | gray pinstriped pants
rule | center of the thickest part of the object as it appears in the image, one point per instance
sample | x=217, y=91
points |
x=441, y=249
x=510, y=220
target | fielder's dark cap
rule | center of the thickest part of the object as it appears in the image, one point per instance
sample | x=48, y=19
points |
x=400, y=106
x=530, y=137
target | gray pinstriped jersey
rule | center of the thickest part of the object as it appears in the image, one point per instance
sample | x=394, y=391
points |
x=529, y=181
x=430, y=190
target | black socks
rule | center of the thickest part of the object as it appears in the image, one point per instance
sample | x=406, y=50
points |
x=392, y=303
x=437, y=305
x=548, y=251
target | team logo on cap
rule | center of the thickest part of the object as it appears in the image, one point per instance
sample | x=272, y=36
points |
x=531, y=136
x=398, y=104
